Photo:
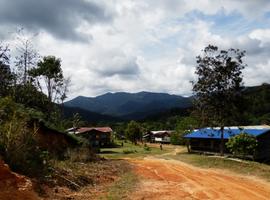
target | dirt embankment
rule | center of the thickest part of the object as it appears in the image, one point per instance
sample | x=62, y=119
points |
x=169, y=180
x=14, y=186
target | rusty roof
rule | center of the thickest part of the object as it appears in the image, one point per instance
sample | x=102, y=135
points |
x=100, y=129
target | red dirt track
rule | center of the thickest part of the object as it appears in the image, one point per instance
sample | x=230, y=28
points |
x=14, y=186
x=174, y=180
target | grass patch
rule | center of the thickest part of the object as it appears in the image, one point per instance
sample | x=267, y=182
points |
x=130, y=150
x=249, y=168
x=122, y=188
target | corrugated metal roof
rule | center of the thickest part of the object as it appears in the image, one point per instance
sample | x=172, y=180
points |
x=214, y=133
x=101, y=129
x=160, y=132
x=256, y=127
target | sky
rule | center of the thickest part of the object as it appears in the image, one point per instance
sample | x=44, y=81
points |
x=140, y=45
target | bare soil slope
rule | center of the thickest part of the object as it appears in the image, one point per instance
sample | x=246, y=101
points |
x=14, y=186
x=166, y=179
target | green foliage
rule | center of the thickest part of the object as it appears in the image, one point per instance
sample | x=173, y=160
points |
x=6, y=79
x=77, y=120
x=177, y=139
x=24, y=104
x=165, y=123
x=218, y=88
x=30, y=97
x=257, y=104
x=146, y=148
x=242, y=145
x=6, y=76
x=50, y=73
x=187, y=124
x=18, y=146
x=119, y=130
x=184, y=126
x=133, y=132
x=129, y=151
x=218, y=100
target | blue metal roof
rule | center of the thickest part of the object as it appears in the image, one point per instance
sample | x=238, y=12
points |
x=215, y=133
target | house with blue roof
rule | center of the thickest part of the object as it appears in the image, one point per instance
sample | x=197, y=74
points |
x=209, y=139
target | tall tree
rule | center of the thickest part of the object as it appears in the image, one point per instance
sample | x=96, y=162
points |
x=4, y=49
x=49, y=78
x=133, y=132
x=218, y=88
x=27, y=55
x=6, y=79
x=6, y=76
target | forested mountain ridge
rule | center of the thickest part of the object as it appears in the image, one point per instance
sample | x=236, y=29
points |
x=88, y=116
x=258, y=104
x=130, y=105
x=154, y=106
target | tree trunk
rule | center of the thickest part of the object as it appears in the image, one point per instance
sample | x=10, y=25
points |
x=49, y=90
x=222, y=141
x=25, y=67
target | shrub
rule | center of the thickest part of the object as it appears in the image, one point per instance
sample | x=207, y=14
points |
x=146, y=148
x=242, y=145
x=17, y=144
x=177, y=138
x=133, y=132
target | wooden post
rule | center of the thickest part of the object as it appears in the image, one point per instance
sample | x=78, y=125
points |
x=222, y=141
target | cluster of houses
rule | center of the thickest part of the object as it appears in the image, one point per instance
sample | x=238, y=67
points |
x=206, y=140
x=102, y=136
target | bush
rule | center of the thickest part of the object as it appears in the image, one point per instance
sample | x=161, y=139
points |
x=242, y=145
x=146, y=148
x=133, y=132
x=17, y=145
x=177, y=138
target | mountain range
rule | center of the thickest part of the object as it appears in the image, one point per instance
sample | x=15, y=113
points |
x=122, y=106
x=127, y=106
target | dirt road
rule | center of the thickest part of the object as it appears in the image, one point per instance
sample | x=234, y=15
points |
x=174, y=180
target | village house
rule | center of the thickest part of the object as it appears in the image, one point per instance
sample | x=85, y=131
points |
x=52, y=140
x=97, y=136
x=162, y=136
x=208, y=139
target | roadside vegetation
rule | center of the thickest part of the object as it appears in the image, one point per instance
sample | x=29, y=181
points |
x=32, y=137
x=83, y=180
x=242, y=145
x=241, y=167
x=179, y=153
x=130, y=150
x=122, y=188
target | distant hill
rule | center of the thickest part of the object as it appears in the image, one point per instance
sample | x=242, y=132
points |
x=112, y=107
x=130, y=105
x=163, y=116
x=258, y=104
x=89, y=116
